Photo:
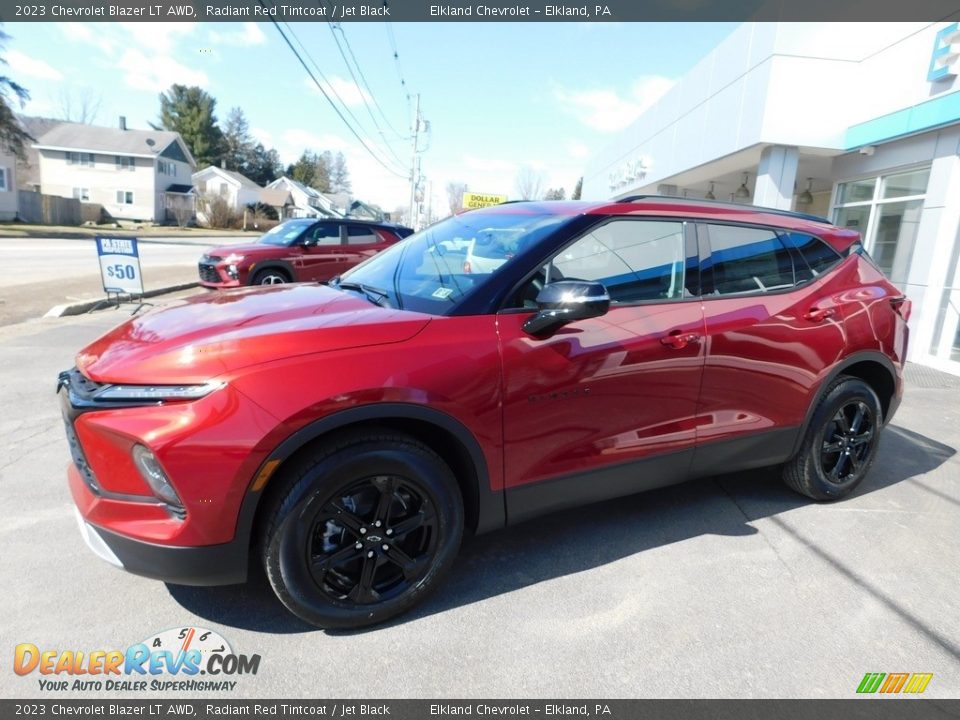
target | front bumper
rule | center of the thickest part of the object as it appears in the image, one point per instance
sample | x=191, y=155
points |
x=214, y=275
x=224, y=564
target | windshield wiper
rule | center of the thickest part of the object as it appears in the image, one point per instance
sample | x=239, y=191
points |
x=371, y=293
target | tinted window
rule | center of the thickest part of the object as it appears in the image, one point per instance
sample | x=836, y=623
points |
x=747, y=260
x=324, y=234
x=635, y=260
x=359, y=235
x=285, y=233
x=817, y=255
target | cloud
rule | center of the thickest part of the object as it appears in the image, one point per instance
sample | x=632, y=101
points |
x=160, y=37
x=577, y=149
x=76, y=31
x=250, y=34
x=262, y=136
x=158, y=73
x=25, y=65
x=348, y=91
x=606, y=110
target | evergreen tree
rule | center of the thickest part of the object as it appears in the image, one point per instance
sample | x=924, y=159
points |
x=190, y=112
x=12, y=135
x=578, y=190
x=238, y=145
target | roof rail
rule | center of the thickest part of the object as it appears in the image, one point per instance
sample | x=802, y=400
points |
x=721, y=203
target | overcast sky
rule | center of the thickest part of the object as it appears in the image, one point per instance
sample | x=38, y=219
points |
x=498, y=95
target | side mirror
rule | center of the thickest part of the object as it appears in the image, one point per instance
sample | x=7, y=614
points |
x=566, y=301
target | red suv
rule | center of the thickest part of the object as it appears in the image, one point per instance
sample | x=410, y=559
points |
x=301, y=250
x=349, y=434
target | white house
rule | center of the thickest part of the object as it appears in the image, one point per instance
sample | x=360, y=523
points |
x=307, y=202
x=238, y=190
x=8, y=185
x=133, y=174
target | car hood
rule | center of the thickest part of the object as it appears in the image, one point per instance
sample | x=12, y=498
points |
x=247, y=249
x=202, y=337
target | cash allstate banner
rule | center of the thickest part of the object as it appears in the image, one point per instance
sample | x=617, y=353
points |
x=120, y=265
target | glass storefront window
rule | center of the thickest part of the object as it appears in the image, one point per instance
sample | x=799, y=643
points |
x=856, y=191
x=904, y=184
x=888, y=224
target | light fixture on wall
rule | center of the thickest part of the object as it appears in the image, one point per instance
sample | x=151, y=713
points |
x=743, y=193
x=710, y=195
x=806, y=197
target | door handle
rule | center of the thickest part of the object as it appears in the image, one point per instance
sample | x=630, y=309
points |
x=678, y=340
x=819, y=314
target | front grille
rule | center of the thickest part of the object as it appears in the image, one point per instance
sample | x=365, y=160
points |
x=208, y=273
x=79, y=459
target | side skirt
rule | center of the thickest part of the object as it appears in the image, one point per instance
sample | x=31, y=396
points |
x=753, y=451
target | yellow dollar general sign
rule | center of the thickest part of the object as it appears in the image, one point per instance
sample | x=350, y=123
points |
x=472, y=201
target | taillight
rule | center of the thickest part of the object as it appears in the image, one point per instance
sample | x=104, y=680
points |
x=902, y=305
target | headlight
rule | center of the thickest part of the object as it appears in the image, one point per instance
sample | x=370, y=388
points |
x=153, y=473
x=233, y=258
x=158, y=393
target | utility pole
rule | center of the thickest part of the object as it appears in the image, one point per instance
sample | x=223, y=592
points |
x=413, y=166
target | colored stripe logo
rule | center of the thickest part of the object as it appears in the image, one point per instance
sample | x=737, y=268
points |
x=894, y=683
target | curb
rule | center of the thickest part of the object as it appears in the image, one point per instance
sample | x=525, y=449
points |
x=87, y=305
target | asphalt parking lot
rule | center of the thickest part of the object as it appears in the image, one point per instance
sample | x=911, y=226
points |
x=725, y=587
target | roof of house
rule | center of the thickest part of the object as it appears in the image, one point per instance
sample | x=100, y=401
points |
x=243, y=180
x=93, y=138
x=275, y=197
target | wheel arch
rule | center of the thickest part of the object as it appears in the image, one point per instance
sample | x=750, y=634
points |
x=450, y=439
x=281, y=265
x=874, y=368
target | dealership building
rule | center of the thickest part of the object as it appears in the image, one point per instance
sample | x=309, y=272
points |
x=855, y=122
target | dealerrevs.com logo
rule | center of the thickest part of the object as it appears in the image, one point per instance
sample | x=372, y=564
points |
x=894, y=683
x=180, y=659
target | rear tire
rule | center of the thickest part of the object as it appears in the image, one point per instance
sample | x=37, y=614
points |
x=840, y=444
x=361, y=529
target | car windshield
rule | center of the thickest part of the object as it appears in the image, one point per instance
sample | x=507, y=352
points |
x=431, y=271
x=285, y=233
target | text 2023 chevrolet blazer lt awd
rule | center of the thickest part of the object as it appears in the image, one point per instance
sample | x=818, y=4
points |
x=349, y=434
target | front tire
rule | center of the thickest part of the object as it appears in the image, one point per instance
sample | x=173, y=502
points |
x=840, y=444
x=362, y=529
x=270, y=277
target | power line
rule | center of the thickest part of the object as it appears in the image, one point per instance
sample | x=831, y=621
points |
x=365, y=92
x=396, y=61
x=366, y=85
x=328, y=98
x=330, y=85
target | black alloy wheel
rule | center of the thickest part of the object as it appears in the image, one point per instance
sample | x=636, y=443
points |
x=373, y=541
x=360, y=528
x=840, y=443
x=847, y=441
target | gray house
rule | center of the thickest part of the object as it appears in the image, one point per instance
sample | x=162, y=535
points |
x=133, y=174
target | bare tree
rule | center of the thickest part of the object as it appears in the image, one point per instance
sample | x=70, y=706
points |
x=82, y=106
x=529, y=183
x=455, y=191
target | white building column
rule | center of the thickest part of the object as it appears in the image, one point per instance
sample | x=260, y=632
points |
x=776, y=176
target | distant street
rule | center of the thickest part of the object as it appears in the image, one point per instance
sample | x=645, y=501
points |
x=39, y=273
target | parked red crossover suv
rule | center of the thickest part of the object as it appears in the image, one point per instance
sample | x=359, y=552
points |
x=350, y=434
x=300, y=250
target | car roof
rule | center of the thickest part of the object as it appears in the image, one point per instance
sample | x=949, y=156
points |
x=689, y=208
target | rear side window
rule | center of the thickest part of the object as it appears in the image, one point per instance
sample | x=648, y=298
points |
x=360, y=235
x=817, y=255
x=747, y=260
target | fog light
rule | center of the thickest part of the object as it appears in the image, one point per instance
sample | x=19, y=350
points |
x=153, y=473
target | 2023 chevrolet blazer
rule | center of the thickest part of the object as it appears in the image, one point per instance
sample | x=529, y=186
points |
x=349, y=434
